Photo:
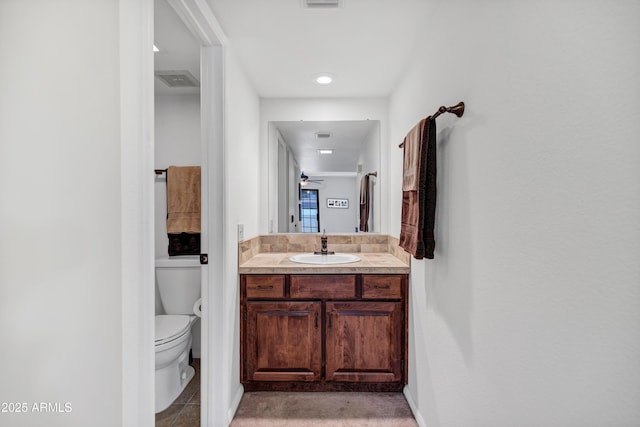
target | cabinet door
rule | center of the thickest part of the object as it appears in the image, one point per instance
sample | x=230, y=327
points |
x=364, y=341
x=283, y=341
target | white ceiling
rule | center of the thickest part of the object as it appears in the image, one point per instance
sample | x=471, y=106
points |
x=346, y=141
x=179, y=50
x=365, y=44
x=281, y=45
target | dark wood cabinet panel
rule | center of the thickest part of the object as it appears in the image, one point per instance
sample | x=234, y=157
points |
x=265, y=286
x=323, y=332
x=381, y=287
x=364, y=341
x=323, y=286
x=284, y=341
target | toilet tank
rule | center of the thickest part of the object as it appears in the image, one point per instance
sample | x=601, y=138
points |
x=178, y=280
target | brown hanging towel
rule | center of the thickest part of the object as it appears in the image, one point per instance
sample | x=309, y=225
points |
x=183, y=210
x=419, y=190
x=364, y=203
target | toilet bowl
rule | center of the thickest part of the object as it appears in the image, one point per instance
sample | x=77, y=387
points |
x=172, y=345
x=178, y=282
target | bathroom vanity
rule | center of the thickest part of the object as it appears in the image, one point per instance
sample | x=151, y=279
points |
x=323, y=327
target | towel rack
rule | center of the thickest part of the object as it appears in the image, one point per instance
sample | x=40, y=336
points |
x=373, y=173
x=160, y=171
x=457, y=109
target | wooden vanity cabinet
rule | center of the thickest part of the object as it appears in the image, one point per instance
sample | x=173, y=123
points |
x=323, y=332
x=283, y=341
x=364, y=341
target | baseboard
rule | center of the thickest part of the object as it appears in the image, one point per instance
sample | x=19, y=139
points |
x=234, y=404
x=414, y=408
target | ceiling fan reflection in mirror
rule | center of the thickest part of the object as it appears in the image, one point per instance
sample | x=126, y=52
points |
x=304, y=180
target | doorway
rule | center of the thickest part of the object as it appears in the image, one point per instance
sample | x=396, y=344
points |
x=177, y=142
x=202, y=58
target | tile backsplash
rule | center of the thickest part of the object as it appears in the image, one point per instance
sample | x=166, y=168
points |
x=299, y=242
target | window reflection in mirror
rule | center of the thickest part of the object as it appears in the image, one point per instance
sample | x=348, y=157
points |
x=309, y=211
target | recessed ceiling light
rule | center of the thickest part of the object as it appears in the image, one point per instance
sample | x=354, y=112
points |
x=324, y=78
x=325, y=151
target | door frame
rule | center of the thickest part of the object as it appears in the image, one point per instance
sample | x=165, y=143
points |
x=137, y=212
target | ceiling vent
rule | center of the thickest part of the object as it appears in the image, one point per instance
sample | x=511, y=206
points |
x=323, y=135
x=322, y=4
x=178, y=78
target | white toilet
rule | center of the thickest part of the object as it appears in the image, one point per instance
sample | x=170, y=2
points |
x=178, y=281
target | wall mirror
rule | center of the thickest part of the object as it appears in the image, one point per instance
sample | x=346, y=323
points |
x=316, y=170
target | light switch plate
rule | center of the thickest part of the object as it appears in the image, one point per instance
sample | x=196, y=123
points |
x=240, y=232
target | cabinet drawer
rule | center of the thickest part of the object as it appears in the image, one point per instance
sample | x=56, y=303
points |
x=323, y=286
x=381, y=287
x=265, y=286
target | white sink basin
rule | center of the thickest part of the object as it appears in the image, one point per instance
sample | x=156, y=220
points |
x=324, y=259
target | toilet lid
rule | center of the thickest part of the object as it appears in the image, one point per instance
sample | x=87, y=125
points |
x=170, y=327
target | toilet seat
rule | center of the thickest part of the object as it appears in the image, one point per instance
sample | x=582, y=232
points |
x=170, y=327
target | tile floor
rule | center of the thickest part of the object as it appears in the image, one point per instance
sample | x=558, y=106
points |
x=185, y=411
x=321, y=409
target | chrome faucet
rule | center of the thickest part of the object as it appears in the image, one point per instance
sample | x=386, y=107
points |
x=323, y=248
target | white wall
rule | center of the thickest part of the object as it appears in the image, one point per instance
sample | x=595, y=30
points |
x=284, y=184
x=242, y=193
x=336, y=220
x=293, y=196
x=529, y=314
x=177, y=143
x=318, y=109
x=60, y=267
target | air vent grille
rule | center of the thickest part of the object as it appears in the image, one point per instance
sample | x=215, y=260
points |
x=323, y=135
x=321, y=4
x=177, y=78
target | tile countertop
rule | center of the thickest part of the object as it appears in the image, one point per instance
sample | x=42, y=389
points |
x=278, y=263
